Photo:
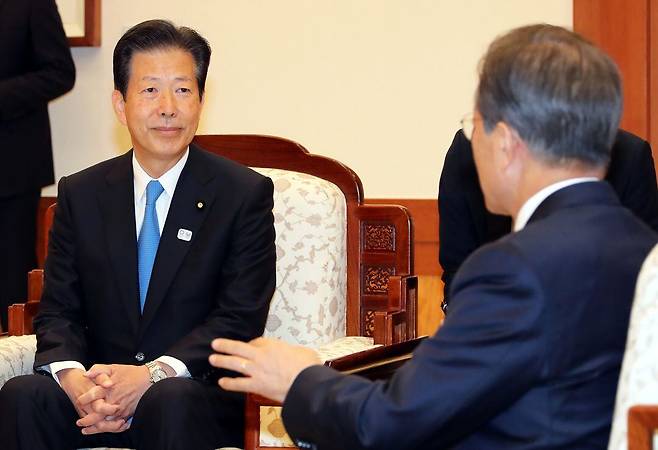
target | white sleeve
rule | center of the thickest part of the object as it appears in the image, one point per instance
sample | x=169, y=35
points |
x=55, y=367
x=179, y=367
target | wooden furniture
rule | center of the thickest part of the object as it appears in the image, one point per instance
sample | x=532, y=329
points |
x=626, y=30
x=381, y=294
x=22, y=314
x=642, y=424
x=44, y=222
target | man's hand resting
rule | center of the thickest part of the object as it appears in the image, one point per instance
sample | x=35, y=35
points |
x=124, y=386
x=96, y=415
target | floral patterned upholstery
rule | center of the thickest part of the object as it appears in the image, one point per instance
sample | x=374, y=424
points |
x=309, y=305
x=310, y=216
x=638, y=382
x=16, y=356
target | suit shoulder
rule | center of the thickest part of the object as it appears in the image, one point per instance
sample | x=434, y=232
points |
x=503, y=270
x=96, y=173
x=228, y=169
x=506, y=254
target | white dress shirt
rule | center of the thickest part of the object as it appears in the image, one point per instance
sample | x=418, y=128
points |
x=141, y=179
x=530, y=205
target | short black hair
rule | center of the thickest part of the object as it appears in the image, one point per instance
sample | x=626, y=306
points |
x=559, y=92
x=157, y=35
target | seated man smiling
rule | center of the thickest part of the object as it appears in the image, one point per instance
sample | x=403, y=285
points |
x=151, y=255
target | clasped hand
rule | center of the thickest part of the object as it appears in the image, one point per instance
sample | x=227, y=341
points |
x=105, y=396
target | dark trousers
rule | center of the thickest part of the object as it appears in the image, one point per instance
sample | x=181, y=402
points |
x=175, y=413
x=18, y=221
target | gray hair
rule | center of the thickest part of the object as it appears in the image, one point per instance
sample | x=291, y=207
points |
x=559, y=92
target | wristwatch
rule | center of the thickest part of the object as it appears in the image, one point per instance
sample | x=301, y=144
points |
x=156, y=373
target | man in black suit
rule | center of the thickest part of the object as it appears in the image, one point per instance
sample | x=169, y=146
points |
x=465, y=224
x=35, y=67
x=529, y=356
x=151, y=254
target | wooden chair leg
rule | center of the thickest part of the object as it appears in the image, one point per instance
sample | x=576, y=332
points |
x=642, y=423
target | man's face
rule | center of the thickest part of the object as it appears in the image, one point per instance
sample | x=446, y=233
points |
x=485, y=145
x=161, y=108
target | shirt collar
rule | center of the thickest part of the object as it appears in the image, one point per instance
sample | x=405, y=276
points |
x=168, y=180
x=531, y=205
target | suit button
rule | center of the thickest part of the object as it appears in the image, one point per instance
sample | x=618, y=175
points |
x=139, y=356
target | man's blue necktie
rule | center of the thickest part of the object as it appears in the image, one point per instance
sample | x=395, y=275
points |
x=149, y=238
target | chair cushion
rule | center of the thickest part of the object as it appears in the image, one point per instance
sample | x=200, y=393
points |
x=344, y=346
x=310, y=217
x=16, y=356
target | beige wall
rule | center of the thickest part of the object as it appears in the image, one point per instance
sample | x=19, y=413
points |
x=377, y=84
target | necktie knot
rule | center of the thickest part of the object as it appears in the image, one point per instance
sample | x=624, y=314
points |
x=153, y=191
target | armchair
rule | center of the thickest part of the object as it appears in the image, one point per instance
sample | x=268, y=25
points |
x=636, y=411
x=344, y=280
x=366, y=259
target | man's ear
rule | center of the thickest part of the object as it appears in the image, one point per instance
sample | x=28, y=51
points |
x=511, y=146
x=119, y=105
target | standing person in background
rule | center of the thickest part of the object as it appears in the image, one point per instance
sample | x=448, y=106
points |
x=35, y=67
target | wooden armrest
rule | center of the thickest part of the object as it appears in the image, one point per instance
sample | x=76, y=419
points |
x=642, y=421
x=20, y=318
x=397, y=323
x=21, y=315
x=376, y=363
x=34, y=285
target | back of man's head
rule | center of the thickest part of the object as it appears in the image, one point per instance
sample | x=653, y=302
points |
x=559, y=92
x=154, y=35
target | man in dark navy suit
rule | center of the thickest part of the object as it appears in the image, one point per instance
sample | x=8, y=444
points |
x=465, y=224
x=151, y=255
x=530, y=354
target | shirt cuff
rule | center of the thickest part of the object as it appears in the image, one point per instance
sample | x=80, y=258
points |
x=55, y=367
x=179, y=367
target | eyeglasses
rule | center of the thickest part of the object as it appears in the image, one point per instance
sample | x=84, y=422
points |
x=468, y=124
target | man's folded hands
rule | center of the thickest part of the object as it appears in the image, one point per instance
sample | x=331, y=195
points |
x=105, y=396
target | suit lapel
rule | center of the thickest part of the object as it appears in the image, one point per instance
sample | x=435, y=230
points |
x=117, y=205
x=184, y=213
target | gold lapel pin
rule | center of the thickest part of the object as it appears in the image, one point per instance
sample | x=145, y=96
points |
x=199, y=205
